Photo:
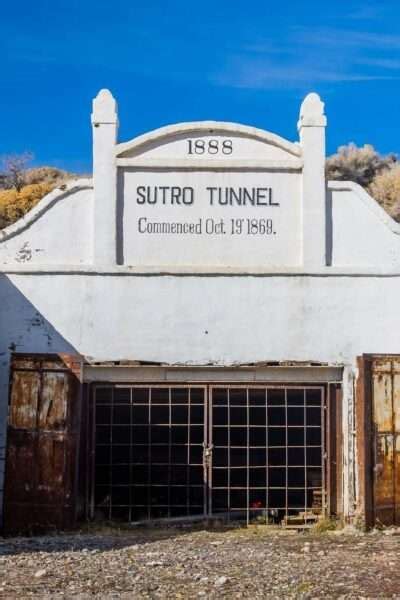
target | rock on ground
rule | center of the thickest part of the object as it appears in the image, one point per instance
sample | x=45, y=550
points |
x=212, y=564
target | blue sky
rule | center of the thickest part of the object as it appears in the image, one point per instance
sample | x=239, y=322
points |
x=178, y=60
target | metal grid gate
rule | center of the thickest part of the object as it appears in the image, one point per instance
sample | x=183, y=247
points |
x=148, y=452
x=267, y=451
x=242, y=452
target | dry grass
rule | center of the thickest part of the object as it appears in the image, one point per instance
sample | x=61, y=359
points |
x=14, y=205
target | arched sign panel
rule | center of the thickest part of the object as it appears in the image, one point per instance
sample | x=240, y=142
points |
x=210, y=195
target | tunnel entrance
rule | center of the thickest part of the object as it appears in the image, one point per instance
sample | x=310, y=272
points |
x=237, y=452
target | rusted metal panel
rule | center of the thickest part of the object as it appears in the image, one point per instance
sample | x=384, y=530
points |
x=24, y=362
x=51, y=460
x=381, y=382
x=386, y=392
x=396, y=400
x=52, y=411
x=382, y=394
x=42, y=447
x=396, y=463
x=49, y=365
x=380, y=363
x=26, y=384
x=21, y=462
x=384, y=480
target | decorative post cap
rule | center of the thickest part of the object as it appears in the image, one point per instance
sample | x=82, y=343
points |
x=104, y=108
x=312, y=112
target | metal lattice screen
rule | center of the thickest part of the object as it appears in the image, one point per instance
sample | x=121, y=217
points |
x=267, y=451
x=149, y=452
x=177, y=451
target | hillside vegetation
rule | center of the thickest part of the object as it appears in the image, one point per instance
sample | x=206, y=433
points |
x=17, y=200
x=378, y=175
x=22, y=188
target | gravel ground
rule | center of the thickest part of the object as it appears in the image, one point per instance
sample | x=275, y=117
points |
x=217, y=563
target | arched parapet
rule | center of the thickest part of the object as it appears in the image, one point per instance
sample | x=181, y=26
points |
x=209, y=143
x=368, y=201
x=58, y=230
x=360, y=231
x=45, y=204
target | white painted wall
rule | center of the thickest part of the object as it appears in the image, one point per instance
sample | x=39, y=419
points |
x=363, y=234
x=57, y=231
x=201, y=320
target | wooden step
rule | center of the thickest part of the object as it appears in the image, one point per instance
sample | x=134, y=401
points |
x=309, y=516
x=300, y=527
x=303, y=520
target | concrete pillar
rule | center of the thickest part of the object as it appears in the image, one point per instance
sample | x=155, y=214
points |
x=105, y=126
x=348, y=438
x=311, y=128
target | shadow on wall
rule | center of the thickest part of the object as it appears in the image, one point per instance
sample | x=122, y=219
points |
x=23, y=328
x=329, y=228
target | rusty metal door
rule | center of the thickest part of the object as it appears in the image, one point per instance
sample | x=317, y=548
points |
x=42, y=442
x=385, y=372
x=378, y=433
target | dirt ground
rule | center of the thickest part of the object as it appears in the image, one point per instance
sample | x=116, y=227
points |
x=216, y=563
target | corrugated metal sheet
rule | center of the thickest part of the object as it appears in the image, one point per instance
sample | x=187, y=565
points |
x=42, y=446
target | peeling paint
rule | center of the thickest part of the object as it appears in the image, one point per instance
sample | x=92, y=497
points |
x=24, y=253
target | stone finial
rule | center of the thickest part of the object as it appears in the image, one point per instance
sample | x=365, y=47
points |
x=104, y=108
x=312, y=112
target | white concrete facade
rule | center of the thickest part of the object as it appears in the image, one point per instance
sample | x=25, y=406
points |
x=312, y=275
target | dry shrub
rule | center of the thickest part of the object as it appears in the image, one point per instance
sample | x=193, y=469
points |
x=379, y=175
x=46, y=175
x=361, y=165
x=14, y=166
x=14, y=205
x=385, y=188
x=325, y=524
